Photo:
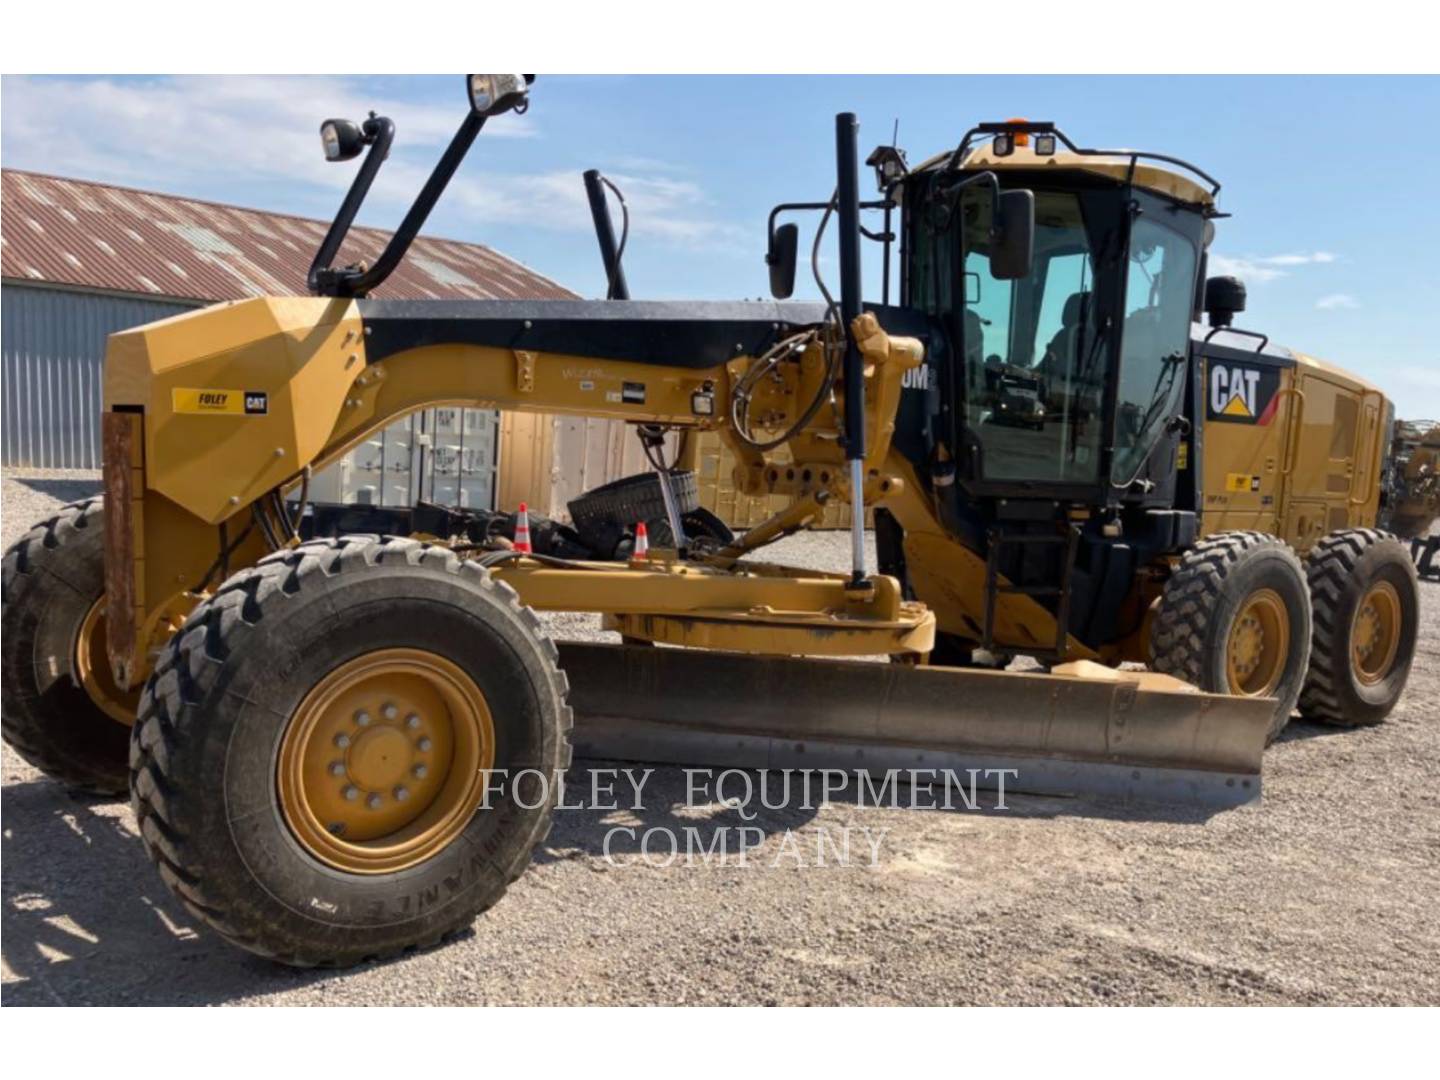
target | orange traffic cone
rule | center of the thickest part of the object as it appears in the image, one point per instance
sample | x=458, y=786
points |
x=522, y=531
x=642, y=544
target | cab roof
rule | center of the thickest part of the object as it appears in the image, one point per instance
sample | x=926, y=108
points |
x=1148, y=174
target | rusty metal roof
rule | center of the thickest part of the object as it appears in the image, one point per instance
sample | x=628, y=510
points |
x=98, y=236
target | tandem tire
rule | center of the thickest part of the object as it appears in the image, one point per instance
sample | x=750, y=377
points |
x=315, y=745
x=62, y=711
x=1366, y=597
x=1235, y=618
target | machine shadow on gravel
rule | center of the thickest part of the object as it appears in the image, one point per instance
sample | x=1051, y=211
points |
x=61, y=490
x=73, y=935
x=77, y=932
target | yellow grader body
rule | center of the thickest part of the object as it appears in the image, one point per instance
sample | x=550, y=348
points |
x=315, y=726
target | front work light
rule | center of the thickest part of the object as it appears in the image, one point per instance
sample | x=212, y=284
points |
x=491, y=95
x=342, y=139
x=889, y=165
x=1044, y=145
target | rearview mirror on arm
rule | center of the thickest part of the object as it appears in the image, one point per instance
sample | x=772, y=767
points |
x=784, y=243
x=1012, y=252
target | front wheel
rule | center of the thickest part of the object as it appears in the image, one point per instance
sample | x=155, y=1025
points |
x=1235, y=619
x=350, y=750
x=1367, y=612
x=63, y=712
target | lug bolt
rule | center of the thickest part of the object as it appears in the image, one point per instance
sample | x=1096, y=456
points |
x=342, y=740
x=420, y=772
x=362, y=718
x=412, y=721
x=337, y=768
x=424, y=743
x=389, y=711
x=351, y=793
x=402, y=793
x=373, y=802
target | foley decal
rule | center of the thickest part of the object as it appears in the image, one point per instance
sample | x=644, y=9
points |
x=1240, y=393
x=210, y=402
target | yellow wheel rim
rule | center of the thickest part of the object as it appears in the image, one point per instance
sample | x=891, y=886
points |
x=1375, y=633
x=384, y=762
x=92, y=665
x=1258, y=645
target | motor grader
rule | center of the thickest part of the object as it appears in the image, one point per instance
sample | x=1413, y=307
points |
x=1060, y=463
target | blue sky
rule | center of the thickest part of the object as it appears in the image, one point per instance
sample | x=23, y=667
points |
x=1331, y=181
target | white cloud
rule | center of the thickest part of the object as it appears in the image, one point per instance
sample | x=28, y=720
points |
x=1259, y=269
x=672, y=210
x=182, y=133
x=1336, y=301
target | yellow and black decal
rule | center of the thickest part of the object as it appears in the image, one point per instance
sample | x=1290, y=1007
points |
x=1240, y=393
x=215, y=402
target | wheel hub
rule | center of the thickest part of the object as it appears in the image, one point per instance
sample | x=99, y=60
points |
x=382, y=764
x=1258, y=645
x=1375, y=633
x=92, y=667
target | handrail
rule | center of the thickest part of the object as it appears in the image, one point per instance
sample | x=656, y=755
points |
x=1355, y=451
x=1292, y=438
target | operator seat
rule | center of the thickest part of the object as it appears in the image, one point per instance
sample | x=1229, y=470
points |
x=1060, y=355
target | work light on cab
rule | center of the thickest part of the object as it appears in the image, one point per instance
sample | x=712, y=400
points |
x=491, y=95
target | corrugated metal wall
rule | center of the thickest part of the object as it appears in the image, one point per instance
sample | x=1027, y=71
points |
x=53, y=344
x=54, y=354
x=547, y=460
x=444, y=454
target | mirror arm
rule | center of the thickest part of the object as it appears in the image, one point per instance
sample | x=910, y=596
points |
x=873, y=204
x=380, y=130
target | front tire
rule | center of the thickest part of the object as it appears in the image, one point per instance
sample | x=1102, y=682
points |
x=1234, y=618
x=62, y=711
x=315, y=746
x=1367, y=609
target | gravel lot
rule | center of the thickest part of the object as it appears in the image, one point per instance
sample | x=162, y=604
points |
x=1325, y=894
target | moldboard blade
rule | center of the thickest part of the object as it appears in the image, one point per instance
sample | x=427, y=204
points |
x=1119, y=736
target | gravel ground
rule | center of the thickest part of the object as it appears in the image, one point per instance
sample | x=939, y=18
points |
x=1325, y=893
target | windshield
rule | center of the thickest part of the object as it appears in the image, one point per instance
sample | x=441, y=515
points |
x=1035, y=368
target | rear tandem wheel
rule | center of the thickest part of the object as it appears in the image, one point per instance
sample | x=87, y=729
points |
x=1367, y=609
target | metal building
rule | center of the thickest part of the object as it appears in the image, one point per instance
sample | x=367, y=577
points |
x=81, y=260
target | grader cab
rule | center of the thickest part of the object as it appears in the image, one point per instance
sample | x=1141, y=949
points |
x=340, y=748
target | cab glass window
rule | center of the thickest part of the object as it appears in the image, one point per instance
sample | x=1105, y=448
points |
x=1159, y=297
x=1034, y=365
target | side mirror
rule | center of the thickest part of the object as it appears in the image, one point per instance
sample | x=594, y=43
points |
x=1012, y=253
x=784, y=243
